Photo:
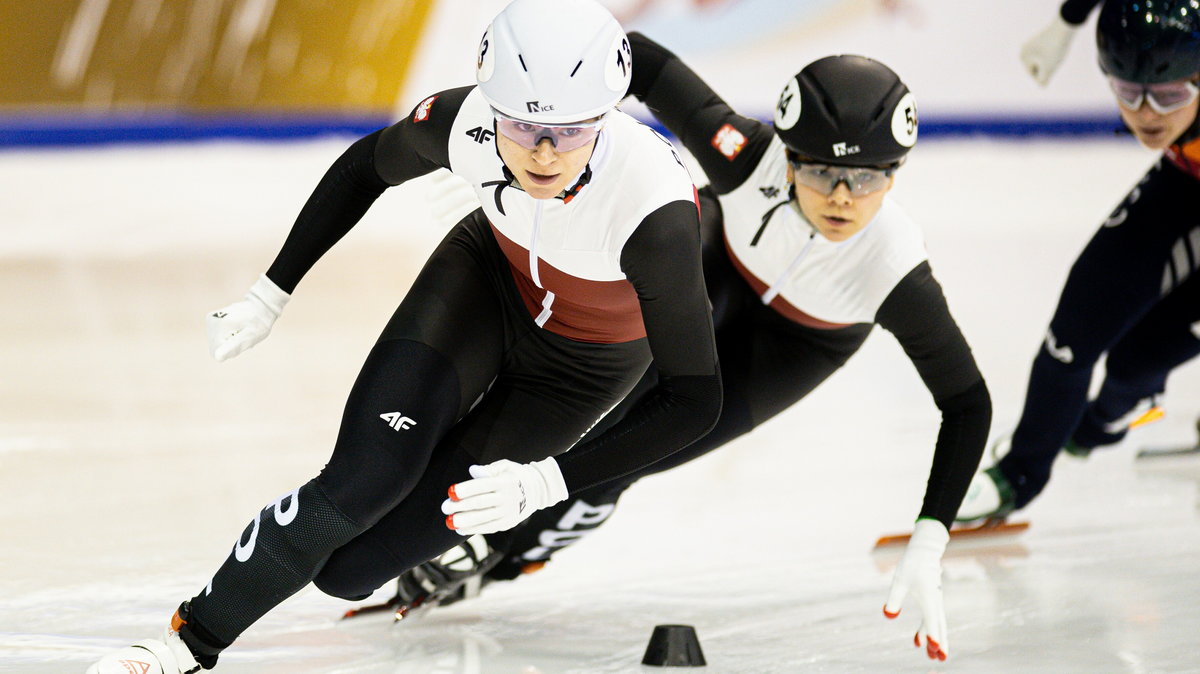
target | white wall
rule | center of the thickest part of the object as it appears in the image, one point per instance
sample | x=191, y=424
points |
x=958, y=56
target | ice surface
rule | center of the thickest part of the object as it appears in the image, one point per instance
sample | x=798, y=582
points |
x=129, y=460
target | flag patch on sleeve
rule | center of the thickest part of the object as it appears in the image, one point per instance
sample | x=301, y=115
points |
x=728, y=141
x=422, y=112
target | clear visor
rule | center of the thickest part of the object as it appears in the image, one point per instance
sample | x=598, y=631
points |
x=564, y=137
x=1164, y=98
x=824, y=178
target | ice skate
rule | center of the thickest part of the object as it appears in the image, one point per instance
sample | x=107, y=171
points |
x=989, y=497
x=1000, y=447
x=168, y=655
x=1147, y=411
x=984, y=511
x=456, y=575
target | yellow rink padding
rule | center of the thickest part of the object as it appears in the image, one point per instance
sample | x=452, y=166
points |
x=207, y=55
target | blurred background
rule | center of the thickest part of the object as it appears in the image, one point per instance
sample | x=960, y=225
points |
x=153, y=157
x=102, y=71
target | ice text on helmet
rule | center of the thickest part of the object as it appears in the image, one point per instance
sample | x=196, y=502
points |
x=841, y=149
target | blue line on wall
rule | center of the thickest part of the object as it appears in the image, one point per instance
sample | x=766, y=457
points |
x=41, y=131
x=30, y=131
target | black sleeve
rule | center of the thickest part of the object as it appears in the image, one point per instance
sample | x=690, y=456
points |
x=694, y=113
x=1076, y=12
x=662, y=261
x=387, y=157
x=917, y=314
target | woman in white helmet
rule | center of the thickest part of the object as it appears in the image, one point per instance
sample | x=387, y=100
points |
x=536, y=314
x=805, y=252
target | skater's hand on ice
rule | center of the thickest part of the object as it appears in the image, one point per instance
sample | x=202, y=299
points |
x=247, y=322
x=1044, y=52
x=920, y=572
x=502, y=494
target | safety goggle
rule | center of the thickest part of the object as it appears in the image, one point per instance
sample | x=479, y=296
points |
x=564, y=137
x=1164, y=98
x=860, y=180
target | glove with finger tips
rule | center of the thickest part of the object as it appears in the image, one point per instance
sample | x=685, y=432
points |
x=502, y=494
x=1044, y=52
x=920, y=572
x=241, y=325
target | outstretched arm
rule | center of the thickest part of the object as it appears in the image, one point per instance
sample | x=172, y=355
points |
x=391, y=156
x=916, y=312
x=727, y=145
x=1045, y=50
x=413, y=147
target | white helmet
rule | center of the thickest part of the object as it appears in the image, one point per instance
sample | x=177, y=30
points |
x=553, y=61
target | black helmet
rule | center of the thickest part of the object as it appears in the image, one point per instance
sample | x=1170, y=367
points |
x=847, y=110
x=1149, y=41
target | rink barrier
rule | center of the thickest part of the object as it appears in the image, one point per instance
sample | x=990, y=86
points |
x=83, y=130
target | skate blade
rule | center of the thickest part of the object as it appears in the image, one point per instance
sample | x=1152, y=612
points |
x=414, y=611
x=988, y=528
x=1157, y=452
x=1148, y=417
x=369, y=609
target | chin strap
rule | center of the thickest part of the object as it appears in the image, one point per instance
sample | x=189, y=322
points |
x=584, y=178
x=510, y=180
x=791, y=196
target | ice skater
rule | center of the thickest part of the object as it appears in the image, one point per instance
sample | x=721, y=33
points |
x=1132, y=296
x=534, y=316
x=804, y=253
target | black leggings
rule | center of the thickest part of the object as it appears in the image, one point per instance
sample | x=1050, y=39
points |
x=1131, y=294
x=460, y=375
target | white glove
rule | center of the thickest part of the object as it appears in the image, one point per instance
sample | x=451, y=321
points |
x=450, y=198
x=920, y=571
x=502, y=494
x=1044, y=52
x=246, y=322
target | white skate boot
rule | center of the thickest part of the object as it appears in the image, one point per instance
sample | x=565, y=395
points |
x=988, y=496
x=168, y=655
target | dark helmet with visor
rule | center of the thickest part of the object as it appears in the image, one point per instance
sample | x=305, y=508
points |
x=1149, y=41
x=847, y=110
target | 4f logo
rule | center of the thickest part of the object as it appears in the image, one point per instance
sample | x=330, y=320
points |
x=841, y=149
x=535, y=106
x=480, y=134
x=398, y=421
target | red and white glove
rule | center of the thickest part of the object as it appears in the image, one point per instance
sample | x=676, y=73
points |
x=920, y=572
x=502, y=494
x=1044, y=52
x=247, y=322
